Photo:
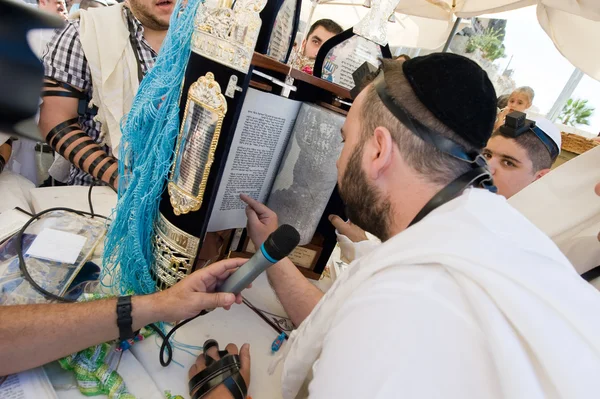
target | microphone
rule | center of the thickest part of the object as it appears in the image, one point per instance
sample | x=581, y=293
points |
x=277, y=246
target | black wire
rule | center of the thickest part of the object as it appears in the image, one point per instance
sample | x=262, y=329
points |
x=167, y=344
x=23, y=211
x=271, y=323
x=19, y=250
x=19, y=244
x=49, y=295
x=90, y=197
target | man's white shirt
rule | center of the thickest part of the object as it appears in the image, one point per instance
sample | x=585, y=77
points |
x=471, y=302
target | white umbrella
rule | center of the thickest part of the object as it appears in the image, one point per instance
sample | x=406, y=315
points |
x=573, y=25
x=402, y=31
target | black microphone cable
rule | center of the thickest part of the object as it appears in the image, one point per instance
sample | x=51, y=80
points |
x=51, y=296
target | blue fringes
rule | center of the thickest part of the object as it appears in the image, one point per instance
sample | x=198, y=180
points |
x=149, y=134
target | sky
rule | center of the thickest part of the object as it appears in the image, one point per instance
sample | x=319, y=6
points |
x=537, y=63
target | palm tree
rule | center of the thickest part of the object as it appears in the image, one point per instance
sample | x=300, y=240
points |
x=576, y=112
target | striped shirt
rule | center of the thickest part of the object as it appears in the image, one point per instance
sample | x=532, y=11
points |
x=64, y=61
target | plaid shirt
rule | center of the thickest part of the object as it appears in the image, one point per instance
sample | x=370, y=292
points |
x=65, y=62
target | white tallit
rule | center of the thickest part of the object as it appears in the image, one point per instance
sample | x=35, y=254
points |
x=564, y=206
x=106, y=44
x=539, y=316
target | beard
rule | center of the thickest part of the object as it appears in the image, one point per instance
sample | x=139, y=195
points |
x=143, y=13
x=365, y=205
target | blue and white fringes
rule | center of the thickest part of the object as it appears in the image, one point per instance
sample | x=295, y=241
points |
x=149, y=134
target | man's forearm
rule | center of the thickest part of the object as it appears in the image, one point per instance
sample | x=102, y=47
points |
x=33, y=335
x=81, y=150
x=297, y=295
x=60, y=128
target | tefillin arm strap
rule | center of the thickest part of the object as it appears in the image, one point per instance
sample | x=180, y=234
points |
x=71, y=142
x=478, y=176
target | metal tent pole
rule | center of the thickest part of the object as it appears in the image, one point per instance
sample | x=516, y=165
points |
x=452, y=33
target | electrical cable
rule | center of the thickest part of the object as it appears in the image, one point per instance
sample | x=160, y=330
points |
x=90, y=198
x=23, y=265
x=166, y=345
x=19, y=244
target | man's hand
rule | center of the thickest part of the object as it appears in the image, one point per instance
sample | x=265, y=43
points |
x=500, y=119
x=261, y=220
x=221, y=392
x=196, y=292
x=348, y=229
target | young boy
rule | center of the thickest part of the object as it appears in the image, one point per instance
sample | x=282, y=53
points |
x=516, y=162
x=520, y=100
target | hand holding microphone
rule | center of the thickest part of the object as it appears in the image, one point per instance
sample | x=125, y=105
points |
x=276, y=247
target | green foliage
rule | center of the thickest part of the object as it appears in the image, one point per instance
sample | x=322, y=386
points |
x=576, y=112
x=490, y=44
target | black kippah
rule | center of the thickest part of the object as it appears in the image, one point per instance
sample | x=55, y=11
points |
x=457, y=92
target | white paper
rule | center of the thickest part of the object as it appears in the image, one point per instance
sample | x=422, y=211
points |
x=28, y=385
x=11, y=221
x=57, y=246
x=262, y=132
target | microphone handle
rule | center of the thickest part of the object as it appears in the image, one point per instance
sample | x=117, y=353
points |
x=246, y=274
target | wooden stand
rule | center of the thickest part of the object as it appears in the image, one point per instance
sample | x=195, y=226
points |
x=312, y=258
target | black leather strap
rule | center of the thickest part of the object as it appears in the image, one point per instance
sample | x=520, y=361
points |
x=479, y=175
x=52, y=134
x=55, y=140
x=2, y=163
x=71, y=91
x=113, y=177
x=62, y=147
x=94, y=165
x=213, y=368
x=86, y=155
x=426, y=134
x=214, y=382
x=55, y=93
x=50, y=82
x=232, y=380
x=547, y=141
x=224, y=371
x=104, y=168
x=472, y=177
x=124, y=319
x=132, y=42
x=236, y=386
x=80, y=147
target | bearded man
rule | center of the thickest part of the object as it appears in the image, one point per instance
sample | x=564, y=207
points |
x=93, y=68
x=464, y=298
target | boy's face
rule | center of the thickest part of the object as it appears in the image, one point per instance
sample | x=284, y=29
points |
x=510, y=165
x=519, y=102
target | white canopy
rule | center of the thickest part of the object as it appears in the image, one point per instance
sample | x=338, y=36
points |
x=405, y=31
x=573, y=25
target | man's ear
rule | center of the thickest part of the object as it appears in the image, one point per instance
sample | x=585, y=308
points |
x=541, y=173
x=380, y=151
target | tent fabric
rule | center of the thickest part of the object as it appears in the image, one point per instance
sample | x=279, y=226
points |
x=573, y=25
